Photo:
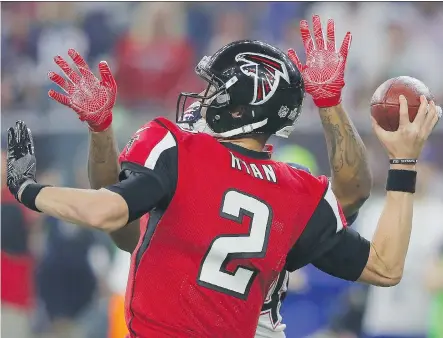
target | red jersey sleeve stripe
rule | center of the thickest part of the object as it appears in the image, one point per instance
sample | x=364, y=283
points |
x=336, y=208
x=165, y=143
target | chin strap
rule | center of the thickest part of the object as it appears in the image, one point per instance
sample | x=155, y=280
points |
x=242, y=130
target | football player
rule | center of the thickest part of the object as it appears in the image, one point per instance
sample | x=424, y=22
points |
x=211, y=250
x=351, y=180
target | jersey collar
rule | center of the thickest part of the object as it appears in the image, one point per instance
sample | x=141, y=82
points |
x=263, y=155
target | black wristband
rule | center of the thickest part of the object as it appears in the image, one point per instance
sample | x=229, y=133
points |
x=409, y=161
x=401, y=180
x=29, y=195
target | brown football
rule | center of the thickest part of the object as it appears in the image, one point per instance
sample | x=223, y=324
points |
x=385, y=105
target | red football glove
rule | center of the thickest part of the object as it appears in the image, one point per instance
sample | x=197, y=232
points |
x=324, y=71
x=90, y=98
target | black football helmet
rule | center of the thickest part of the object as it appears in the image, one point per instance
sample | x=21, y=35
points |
x=251, y=77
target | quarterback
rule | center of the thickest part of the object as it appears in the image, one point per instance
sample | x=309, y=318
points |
x=350, y=179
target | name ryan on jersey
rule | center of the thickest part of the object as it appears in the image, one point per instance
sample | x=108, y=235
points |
x=260, y=171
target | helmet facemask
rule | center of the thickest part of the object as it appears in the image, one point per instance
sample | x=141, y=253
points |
x=193, y=120
x=213, y=100
x=215, y=96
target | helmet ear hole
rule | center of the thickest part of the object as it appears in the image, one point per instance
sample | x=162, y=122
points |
x=238, y=112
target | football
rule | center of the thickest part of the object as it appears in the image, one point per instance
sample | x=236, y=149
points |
x=385, y=105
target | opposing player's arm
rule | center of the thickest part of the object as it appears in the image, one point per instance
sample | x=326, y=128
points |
x=351, y=176
x=103, y=165
x=350, y=215
x=103, y=170
x=147, y=180
x=323, y=76
x=339, y=251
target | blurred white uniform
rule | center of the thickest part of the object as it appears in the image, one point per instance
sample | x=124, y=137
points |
x=270, y=321
x=402, y=310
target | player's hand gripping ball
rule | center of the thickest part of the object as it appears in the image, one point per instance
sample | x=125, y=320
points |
x=324, y=71
x=89, y=97
x=385, y=105
x=408, y=140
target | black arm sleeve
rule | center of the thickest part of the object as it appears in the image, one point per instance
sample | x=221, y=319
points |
x=338, y=251
x=347, y=258
x=144, y=189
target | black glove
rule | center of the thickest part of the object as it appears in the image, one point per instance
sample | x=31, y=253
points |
x=21, y=159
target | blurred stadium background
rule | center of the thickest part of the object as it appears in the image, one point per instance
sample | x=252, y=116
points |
x=62, y=281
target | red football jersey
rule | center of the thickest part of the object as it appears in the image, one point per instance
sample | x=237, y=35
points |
x=207, y=258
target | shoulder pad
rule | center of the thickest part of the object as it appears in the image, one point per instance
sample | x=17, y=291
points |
x=167, y=124
x=178, y=130
x=147, y=142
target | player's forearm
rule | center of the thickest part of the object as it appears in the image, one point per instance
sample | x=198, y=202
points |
x=103, y=166
x=390, y=243
x=351, y=176
x=100, y=209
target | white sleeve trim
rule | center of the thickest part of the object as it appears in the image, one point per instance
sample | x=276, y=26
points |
x=332, y=201
x=166, y=142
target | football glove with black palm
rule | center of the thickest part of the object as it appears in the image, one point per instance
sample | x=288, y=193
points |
x=21, y=162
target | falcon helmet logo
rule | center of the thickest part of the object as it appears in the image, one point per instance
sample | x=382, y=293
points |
x=266, y=72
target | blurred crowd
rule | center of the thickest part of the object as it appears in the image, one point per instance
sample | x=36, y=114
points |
x=62, y=281
x=153, y=47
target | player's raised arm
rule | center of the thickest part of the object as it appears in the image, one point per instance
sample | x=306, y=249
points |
x=147, y=181
x=390, y=243
x=340, y=251
x=98, y=209
x=96, y=111
x=323, y=76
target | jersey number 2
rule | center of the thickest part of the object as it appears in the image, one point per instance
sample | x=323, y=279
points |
x=224, y=248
